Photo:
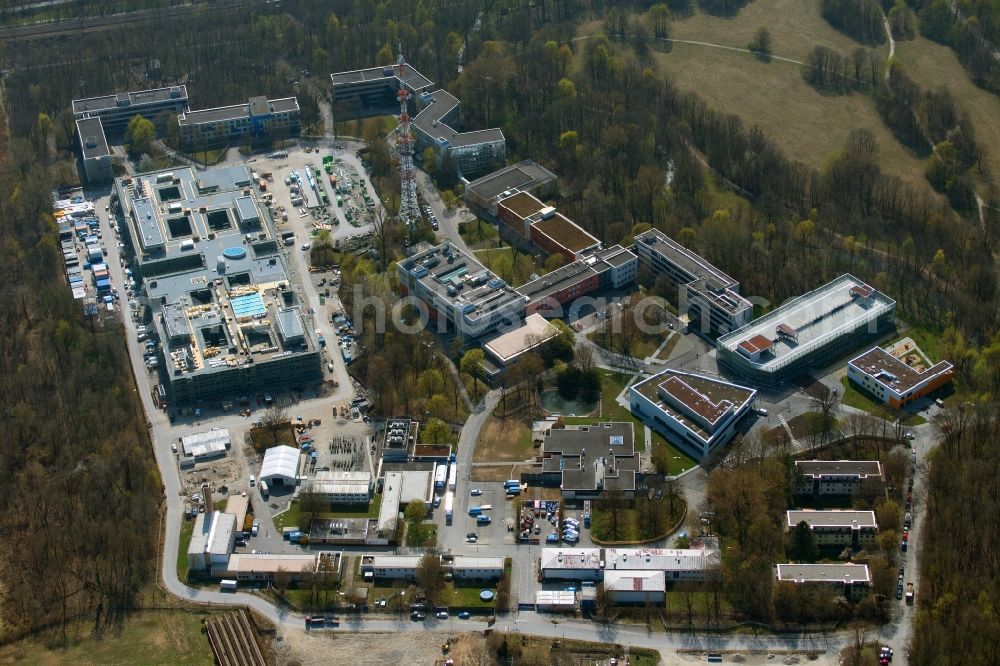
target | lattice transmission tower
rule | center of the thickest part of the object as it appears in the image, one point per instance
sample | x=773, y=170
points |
x=409, y=209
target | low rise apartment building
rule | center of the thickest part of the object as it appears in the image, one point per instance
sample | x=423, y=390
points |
x=856, y=529
x=851, y=580
x=835, y=478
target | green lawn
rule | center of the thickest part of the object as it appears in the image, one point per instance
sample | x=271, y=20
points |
x=612, y=383
x=187, y=528
x=167, y=637
x=290, y=518
x=852, y=397
x=465, y=596
x=302, y=599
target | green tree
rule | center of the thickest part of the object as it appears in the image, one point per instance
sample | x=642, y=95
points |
x=436, y=431
x=140, y=135
x=803, y=544
x=471, y=364
x=431, y=381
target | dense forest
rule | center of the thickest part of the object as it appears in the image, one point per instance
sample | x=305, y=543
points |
x=959, y=559
x=79, y=492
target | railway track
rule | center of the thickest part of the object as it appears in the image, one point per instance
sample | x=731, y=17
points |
x=97, y=23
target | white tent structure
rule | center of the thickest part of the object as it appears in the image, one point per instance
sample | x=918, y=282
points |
x=280, y=466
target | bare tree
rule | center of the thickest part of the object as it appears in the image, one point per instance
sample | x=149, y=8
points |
x=430, y=576
x=275, y=416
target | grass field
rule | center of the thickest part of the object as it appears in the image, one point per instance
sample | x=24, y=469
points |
x=795, y=26
x=167, y=637
x=932, y=65
x=807, y=125
x=290, y=518
x=504, y=441
x=187, y=528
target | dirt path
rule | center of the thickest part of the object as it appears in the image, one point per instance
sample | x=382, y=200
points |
x=892, y=43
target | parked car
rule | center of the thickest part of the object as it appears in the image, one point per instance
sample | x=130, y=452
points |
x=464, y=615
x=476, y=492
x=442, y=615
x=417, y=616
x=762, y=412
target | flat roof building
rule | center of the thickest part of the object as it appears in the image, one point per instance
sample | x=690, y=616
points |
x=115, y=111
x=373, y=91
x=835, y=477
x=508, y=347
x=340, y=487
x=613, y=267
x=584, y=461
x=571, y=564
x=258, y=119
x=97, y=163
x=239, y=506
x=675, y=563
x=206, y=252
x=280, y=466
x=894, y=382
x=399, y=436
x=212, y=541
x=208, y=444
x=706, y=293
x=389, y=566
x=544, y=226
x=476, y=568
x=635, y=587
x=809, y=331
x=697, y=413
x=525, y=176
x=836, y=527
x=438, y=125
x=851, y=580
x=263, y=567
x=453, y=285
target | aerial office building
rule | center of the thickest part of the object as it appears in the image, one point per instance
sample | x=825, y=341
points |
x=374, y=91
x=810, y=331
x=696, y=412
x=586, y=461
x=455, y=286
x=437, y=125
x=210, y=265
x=260, y=119
x=710, y=297
x=94, y=150
x=115, y=111
x=614, y=267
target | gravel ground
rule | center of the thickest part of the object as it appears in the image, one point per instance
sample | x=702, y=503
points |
x=316, y=648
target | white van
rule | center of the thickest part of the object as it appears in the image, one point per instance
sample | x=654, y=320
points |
x=253, y=479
